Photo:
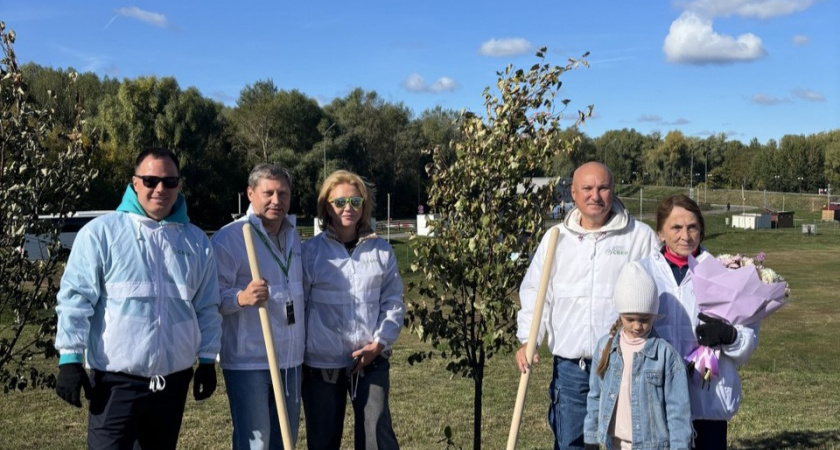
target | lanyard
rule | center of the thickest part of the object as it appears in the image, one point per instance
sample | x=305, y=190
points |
x=283, y=267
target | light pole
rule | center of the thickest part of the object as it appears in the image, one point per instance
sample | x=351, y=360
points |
x=691, y=177
x=325, y=151
x=705, y=175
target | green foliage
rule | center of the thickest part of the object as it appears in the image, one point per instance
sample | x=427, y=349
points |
x=155, y=112
x=36, y=177
x=379, y=141
x=484, y=226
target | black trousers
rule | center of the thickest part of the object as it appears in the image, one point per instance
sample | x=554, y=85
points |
x=711, y=434
x=126, y=415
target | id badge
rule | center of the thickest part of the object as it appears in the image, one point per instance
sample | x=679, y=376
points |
x=290, y=312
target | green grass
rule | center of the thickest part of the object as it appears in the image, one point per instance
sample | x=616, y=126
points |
x=791, y=386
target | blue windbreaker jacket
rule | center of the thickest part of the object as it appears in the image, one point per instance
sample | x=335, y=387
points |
x=139, y=296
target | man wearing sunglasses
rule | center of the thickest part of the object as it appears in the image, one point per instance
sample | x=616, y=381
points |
x=243, y=357
x=139, y=299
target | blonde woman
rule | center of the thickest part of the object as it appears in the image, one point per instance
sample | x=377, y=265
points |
x=355, y=312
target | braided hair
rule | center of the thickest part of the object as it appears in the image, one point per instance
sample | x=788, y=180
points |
x=604, y=363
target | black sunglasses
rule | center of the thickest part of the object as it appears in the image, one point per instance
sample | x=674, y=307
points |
x=151, y=182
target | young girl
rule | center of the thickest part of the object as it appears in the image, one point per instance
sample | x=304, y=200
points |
x=638, y=395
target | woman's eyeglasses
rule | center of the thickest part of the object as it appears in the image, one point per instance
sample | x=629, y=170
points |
x=151, y=182
x=341, y=202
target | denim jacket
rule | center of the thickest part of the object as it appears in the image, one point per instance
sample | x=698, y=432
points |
x=659, y=402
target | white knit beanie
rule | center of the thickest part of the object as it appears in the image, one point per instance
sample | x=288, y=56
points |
x=635, y=291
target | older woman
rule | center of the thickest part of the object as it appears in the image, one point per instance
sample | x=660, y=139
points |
x=680, y=226
x=354, y=314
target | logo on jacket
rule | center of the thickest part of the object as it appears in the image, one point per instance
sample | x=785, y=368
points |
x=618, y=251
x=181, y=252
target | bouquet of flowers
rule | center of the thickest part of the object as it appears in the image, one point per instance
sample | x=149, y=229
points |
x=737, y=289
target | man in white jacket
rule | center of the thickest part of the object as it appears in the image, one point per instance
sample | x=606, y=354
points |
x=139, y=300
x=596, y=239
x=243, y=357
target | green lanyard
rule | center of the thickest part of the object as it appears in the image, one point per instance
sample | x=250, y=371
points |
x=283, y=267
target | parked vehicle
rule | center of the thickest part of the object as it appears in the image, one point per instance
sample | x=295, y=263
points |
x=37, y=247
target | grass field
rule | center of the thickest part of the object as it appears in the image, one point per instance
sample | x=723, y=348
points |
x=791, y=386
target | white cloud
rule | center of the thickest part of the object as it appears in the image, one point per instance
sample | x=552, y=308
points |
x=444, y=84
x=801, y=40
x=416, y=83
x=691, y=40
x=758, y=9
x=505, y=47
x=649, y=118
x=152, y=18
x=653, y=118
x=807, y=94
x=766, y=100
x=223, y=97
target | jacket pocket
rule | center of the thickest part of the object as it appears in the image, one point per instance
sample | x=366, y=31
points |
x=655, y=377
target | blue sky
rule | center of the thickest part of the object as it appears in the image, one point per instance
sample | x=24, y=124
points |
x=747, y=68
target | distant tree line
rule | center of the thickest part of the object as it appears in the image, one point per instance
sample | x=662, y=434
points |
x=381, y=140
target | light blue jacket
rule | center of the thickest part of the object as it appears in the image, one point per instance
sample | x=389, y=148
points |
x=139, y=296
x=352, y=299
x=660, y=410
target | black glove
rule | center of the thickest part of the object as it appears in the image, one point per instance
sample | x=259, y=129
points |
x=714, y=332
x=72, y=378
x=204, y=381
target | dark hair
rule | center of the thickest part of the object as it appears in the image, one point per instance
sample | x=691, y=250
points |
x=157, y=153
x=663, y=211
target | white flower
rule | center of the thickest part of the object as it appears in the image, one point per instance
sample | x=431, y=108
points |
x=746, y=261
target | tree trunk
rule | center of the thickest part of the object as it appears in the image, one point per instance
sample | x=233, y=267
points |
x=477, y=396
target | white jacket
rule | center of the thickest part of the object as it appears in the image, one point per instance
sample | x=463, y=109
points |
x=243, y=345
x=353, y=298
x=679, y=309
x=578, y=306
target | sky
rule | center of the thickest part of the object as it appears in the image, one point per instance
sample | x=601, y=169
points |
x=747, y=68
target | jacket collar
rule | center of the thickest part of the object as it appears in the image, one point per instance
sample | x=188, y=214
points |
x=364, y=234
x=619, y=218
x=130, y=204
x=651, y=345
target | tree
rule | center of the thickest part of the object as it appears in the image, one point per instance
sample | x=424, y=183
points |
x=34, y=179
x=377, y=143
x=151, y=111
x=486, y=227
x=831, y=144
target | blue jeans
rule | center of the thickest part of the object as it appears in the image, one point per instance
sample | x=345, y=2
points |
x=568, y=390
x=254, y=411
x=325, y=394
